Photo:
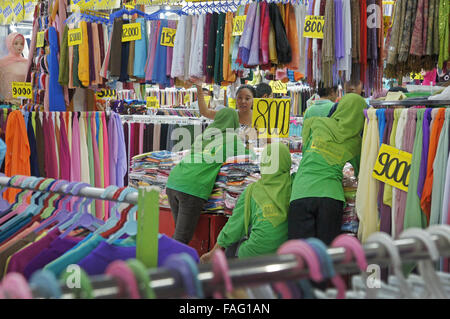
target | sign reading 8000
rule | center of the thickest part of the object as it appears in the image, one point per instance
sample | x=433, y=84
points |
x=271, y=117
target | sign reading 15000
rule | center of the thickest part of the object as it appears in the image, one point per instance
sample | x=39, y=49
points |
x=271, y=117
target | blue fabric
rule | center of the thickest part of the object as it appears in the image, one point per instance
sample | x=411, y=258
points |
x=2, y=151
x=97, y=123
x=381, y=123
x=159, y=69
x=55, y=90
x=140, y=50
x=12, y=230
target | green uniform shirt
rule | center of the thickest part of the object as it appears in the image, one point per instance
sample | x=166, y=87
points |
x=319, y=108
x=264, y=238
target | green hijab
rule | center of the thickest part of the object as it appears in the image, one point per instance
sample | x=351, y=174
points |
x=272, y=192
x=337, y=138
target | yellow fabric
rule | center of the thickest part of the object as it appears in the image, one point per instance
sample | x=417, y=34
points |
x=366, y=194
x=228, y=75
x=83, y=65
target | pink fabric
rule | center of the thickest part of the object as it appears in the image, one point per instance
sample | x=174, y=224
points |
x=153, y=43
x=430, y=77
x=105, y=143
x=53, y=168
x=98, y=204
x=64, y=162
x=75, y=165
x=141, y=138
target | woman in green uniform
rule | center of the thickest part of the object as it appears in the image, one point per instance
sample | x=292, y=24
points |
x=317, y=199
x=191, y=182
x=261, y=211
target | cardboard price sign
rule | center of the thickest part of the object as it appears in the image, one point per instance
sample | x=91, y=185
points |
x=106, y=94
x=232, y=103
x=278, y=87
x=393, y=167
x=40, y=39
x=153, y=102
x=314, y=27
x=238, y=25
x=75, y=37
x=168, y=37
x=22, y=90
x=131, y=32
x=271, y=117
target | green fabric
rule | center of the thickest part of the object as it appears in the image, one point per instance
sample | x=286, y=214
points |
x=197, y=172
x=444, y=32
x=319, y=108
x=272, y=192
x=414, y=216
x=337, y=138
x=91, y=155
x=64, y=59
x=264, y=237
x=218, y=62
x=148, y=223
x=76, y=61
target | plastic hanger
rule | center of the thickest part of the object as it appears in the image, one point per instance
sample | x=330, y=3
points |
x=46, y=283
x=181, y=267
x=327, y=266
x=114, y=217
x=49, y=201
x=124, y=275
x=425, y=266
x=404, y=290
x=129, y=228
x=221, y=273
x=142, y=278
x=15, y=286
x=441, y=231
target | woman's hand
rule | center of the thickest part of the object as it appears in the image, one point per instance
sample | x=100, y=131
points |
x=206, y=258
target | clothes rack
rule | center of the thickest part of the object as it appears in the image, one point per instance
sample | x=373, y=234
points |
x=411, y=102
x=264, y=269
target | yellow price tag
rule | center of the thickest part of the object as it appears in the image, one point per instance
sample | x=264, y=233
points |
x=152, y=102
x=186, y=99
x=232, y=103
x=131, y=32
x=388, y=2
x=271, y=117
x=416, y=76
x=106, y=94
x=393, y=167
x=22, y=90
x=40, y=39
x=238, y=25
x=314, y=27
x=278, y=87
x=168, y=37
x=75, y=37
x=207, y=99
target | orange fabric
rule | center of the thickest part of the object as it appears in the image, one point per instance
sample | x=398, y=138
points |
x=228, y=75
x=17, y=159
x=292, y=35
x=425, y=202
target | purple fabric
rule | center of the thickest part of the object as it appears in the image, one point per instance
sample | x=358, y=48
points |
x=425, y=146
x=205, y=40
x=122, y=164
x=64, y=152
x=113, y=147
x=52, y=170
x=246, y=37
x=338, y=31
x=385, y=210
x=310, y=11
x=254, y=50
x=99, y=259
x=153, y=44
x=20, y=260
x=56, y=249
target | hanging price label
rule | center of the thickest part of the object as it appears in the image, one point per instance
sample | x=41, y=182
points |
x=40, y=39
x=416, y=76
x=314, y=27
x=393, y=167
x=131, y=32
x=75, y=37
x=106, y=94
x=186, y=99
x=271, y=117
x=22, y=90
x=232, y=103
x=278, y=87
x=152, y=102
x=238, y=25
x=168, y=37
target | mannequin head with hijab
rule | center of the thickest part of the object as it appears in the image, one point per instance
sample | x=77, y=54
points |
x=15, y=43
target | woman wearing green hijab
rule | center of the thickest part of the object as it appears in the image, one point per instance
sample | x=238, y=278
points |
x=191, y=182
x=317, y=199
x=261, y=211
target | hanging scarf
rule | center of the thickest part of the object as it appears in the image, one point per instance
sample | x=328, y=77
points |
x=328, y=45
x=284, y=52
x=272, y=192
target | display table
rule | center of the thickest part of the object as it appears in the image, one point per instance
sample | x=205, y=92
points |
x=208, y=228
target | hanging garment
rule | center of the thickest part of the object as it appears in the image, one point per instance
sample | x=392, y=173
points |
x=75, y=158
x=247, y=35
x=84, y=62
x=228, y=75
x=426, y=125
x=196, y=56
x=284, y=51
x=300, y=15
x=292, y=34
x=253, y=58
x=55, y=90
x=115, y=61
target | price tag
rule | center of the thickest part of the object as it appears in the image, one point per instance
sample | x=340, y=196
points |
x=186, y=99
x=416, y=76
x=75, y=37
x=207, y=99
x=131, y=32
x=238, y=25
x=106, y=94
x=278, y=87
x=314, y=27
x=271, y=117
x=152, y=102
x=232, y=103
x=40, y=39
x=168, y=37
x=393, y=167
x=22, y=90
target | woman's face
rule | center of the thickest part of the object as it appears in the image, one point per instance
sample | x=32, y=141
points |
x=244, y=101
x=18, y=45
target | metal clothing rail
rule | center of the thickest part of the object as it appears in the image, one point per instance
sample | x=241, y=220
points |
x=407, y=102
x=261, y=270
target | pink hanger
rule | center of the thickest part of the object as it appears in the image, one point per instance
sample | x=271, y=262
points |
x=303, y=252
x=23, y=205
x=15, y=286
x=221, y=271
x=127, y=281
x=353, y=248
x=2, y=295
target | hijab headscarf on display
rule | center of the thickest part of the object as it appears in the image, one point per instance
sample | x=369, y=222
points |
x=13, y=56
x=337, y=138
x=272, y=192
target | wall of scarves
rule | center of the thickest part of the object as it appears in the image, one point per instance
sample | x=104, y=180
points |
x=424, y=132
x=85, y=147
x=299, y=96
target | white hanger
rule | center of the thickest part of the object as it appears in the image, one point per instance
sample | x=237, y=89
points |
x=443, y=231
x=430, y=280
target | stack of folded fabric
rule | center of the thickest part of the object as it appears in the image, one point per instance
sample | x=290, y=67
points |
x=350, y=221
